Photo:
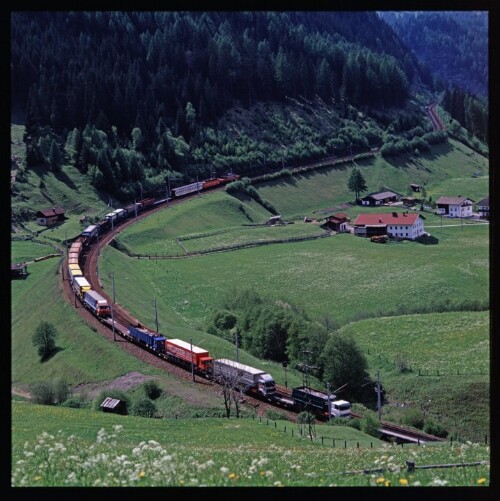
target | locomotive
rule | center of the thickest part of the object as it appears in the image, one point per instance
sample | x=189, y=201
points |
x=248, y=379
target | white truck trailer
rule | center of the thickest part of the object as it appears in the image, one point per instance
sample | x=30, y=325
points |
x=248, y=379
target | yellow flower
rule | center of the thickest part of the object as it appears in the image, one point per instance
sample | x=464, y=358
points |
x=403, y=481
x=262, y=473
x=233, y=475
x=380, y=480
x=481, y=481
x=142, y=474
x=387, y=483
x=38, y=477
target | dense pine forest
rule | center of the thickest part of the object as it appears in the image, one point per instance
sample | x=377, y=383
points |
x=134, y=98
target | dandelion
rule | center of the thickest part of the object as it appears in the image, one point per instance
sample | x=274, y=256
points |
x=142, y=474
x=233, y=476
x=403, y=481
x=380, y=480
x=481, y=481
x=387, y=483
x=38, y=477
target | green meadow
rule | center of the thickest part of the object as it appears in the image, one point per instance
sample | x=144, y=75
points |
x=82, y=448
x=373, y=291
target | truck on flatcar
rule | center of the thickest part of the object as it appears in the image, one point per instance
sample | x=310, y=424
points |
x=185, y=354
x=80, y=285
x=316, y=402
x=96, y=303
x=244, y=377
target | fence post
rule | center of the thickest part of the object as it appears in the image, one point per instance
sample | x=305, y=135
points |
x=285, y=429
x=333, y=442
x=260, y=419
x=345, y=444
x=357, y=444
x=292, y=432
x=371, y=445
x=486, y=440
x=275, y=424
x=419, y=372
x=410, y=466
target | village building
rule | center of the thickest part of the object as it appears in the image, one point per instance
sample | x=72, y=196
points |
x=18, y=270
x=415, y=187
x=395, y=224
x=409, y=201
x=338, y=222
x=49, y=217
x=454, y=206
x=375, y=199
x=483, y=208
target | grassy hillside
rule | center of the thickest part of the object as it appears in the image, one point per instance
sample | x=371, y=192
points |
x=331, y=276
x=445, y=170
x=107, y=450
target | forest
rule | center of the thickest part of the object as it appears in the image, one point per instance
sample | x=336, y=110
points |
x=134, y=98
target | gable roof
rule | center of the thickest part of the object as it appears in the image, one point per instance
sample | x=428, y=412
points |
x=484, y=202
x=54, y=211
x=382, y=195
x=452, y=200
x=385, y=219
x=340, y=217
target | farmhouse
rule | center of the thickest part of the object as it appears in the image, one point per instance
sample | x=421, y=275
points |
x=483, y=208
x=338, y=222
x=400, y=225
x=383, y=197
x=48, y=217
x=454, y=206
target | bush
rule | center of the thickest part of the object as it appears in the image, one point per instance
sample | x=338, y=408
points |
x=276, y=415
x=414, y=417
x=435, y=429
x=370, y=424
x=43, y=393
x=60, y=390
x=73, y=402
x=144, y=408
x=152, y=390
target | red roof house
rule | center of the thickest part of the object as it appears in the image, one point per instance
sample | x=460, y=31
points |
x=394, y=224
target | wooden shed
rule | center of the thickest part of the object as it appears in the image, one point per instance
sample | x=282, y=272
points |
x=19, y=270
x=114, y=405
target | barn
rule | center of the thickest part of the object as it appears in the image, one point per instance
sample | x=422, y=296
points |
x=19, y=270
x=49, y=217
x=375, y=199
x=114, y=405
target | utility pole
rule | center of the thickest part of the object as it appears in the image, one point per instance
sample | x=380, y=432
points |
x=113, y=322
x=135, y=209
x=168, y=185
x=113, y=277
x=305, y=379
x=379, y=403
x=329, y=402
x=237, y=355
x=156, y=317
x=98, y=249
x=285, y=364
x=192, y=364
x=197, y=184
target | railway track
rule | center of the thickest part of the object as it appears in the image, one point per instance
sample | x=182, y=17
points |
x=122, y=319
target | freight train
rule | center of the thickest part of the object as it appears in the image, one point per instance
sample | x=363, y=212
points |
x=249, y=380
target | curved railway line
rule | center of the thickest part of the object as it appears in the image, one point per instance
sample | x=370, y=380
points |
x=122, y=318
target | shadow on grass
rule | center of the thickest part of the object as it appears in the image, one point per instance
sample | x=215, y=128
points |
x=430, y=240
x=52, y=353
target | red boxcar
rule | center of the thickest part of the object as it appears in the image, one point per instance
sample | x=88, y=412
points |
x=209, y=183
x=181, y=350
x=147, y=202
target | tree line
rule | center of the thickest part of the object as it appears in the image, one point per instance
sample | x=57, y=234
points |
x=134, y=97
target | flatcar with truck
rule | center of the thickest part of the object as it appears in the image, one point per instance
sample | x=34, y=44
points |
x=248, y=379
x=96, y=303
x=316, y=402
x=184, y=354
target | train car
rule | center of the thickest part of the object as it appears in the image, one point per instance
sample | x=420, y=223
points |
x=132, y=209
x=111, y=217
x=183, y=353
x=75, y=270
x=244, y=377
x=152, y=340
x=80, y=285
x=210, y=183
x=147, y=202
x=96, y=303
x=90, y=232
x=317, y=402
x=188, y=188
x=120, y=213
x=73, y=255
x=103, y=226
x=73, y=260
x=76, y=247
